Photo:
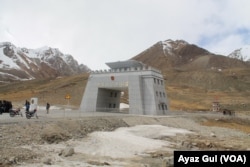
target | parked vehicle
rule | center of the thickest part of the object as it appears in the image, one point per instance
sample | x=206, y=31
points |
x=30, y=114
x=14, y=112
x=5, y=106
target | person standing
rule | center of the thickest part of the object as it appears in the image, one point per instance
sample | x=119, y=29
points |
x=27, y=105
x=47, y=107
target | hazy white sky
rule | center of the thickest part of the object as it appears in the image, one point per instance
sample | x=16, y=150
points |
x=98, y=31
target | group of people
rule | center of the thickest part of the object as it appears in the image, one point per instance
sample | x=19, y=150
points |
x=5, y=106
x=27, y=106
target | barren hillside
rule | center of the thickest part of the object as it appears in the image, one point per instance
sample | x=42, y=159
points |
x=194, y=78
x=48, y=90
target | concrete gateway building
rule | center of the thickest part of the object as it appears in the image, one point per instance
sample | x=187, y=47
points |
x=144, y=84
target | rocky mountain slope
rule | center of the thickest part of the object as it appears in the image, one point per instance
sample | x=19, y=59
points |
x=179, y=54
x=195, y=77
x=26, y=64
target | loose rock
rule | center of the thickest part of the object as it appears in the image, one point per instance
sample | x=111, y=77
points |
x=67, y=152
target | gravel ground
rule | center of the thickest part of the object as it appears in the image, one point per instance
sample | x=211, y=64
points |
x=23, y=141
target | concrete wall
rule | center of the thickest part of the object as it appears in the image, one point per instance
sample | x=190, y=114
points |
x=145, y=86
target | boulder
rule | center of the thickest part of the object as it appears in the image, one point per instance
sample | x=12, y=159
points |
x=168, y=162
x=69, y=151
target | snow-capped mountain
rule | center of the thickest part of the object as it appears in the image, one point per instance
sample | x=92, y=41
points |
x=242, y=53
x=179, y=54
x=25, y=64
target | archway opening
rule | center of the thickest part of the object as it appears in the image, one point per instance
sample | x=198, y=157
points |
x=112, y=100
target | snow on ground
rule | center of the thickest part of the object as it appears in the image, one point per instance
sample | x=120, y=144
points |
x=123, y=106
x=127, y=142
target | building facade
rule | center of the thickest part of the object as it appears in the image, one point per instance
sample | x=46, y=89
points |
x=145, y=87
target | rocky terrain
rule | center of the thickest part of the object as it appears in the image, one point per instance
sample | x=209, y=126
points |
x=195, y=77
x=117, y=139
x=17, y=64
x=181, y=55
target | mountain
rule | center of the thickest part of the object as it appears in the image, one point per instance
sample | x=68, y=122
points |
x=179, y=54
x=195, y=77
x=242, y=53
x=25, y=64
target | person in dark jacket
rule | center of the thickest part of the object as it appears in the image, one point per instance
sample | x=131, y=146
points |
x=47, y=107
x=27, y=105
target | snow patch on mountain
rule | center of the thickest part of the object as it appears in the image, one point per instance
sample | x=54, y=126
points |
x=7, y=62
x=45, y=62
x=166, y=45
